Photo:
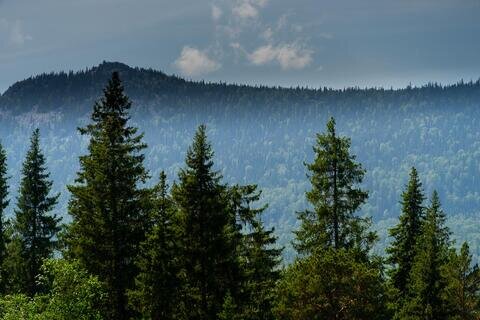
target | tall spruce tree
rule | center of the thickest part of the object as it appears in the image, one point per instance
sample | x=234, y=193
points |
x=260, y=257
x=334, y=176
x=157, y=291
x=208, y=249
x=463, y=285
x=426, y=299
x=35, y=228
x=335, y=276
x=107, y=201
x=3, y=205
x=401, y=251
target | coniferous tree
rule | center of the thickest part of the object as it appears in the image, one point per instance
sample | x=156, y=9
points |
x=334, y=196
x=3, y=205
x=463, y=285
x=332, y=284
x=401, y=251
x=260, y=257
x=208, y=249
x=426, y=285
x=107, y=203
x=156, y=295
x=34, y=228
x=335, y=277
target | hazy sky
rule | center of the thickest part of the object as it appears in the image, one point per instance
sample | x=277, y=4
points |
x=276, y=42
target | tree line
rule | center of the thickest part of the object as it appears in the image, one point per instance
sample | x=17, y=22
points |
x=198, y=249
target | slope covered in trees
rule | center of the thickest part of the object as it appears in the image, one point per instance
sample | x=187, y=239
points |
x=264, y=135
x=199, y=250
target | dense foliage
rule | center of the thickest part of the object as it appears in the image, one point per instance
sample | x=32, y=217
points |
x=200, y=249
x=265, y=134
x=34, y=227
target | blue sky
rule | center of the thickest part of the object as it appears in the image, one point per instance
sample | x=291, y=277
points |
x=312, y=43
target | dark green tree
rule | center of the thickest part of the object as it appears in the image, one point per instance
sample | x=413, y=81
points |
x=401, y=251
x=3, y=205
x=463, y=285
x=425, y=299
x=331, y=284
x=35, y=228
x=334, y=176
x=208, y=248
x=335, y=277
x=107, y=202
x=260, y=257
x=157, y=290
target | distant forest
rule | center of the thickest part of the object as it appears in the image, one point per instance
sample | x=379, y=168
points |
x=197, y=246
x=265, y=135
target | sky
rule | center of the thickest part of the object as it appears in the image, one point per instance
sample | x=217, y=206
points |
x=314, y=43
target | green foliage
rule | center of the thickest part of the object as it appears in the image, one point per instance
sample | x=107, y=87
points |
x=19, y=306
x=401, y=252
x=334, y=196
x=462, y=291
x=331, y=284
x=263, y=135
x=259, y=257
x=205, y=251
x=3, y=205
x=107, y=205
x=71, y=293
x=426, y=285
x=335, y=278
x=229, y=310
x=157, y=290
x=208, y=249
x=34, y=228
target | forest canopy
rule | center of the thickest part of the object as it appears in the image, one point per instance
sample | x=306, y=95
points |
x=264, y=135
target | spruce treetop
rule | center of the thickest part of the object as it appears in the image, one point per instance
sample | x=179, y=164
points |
x=335, y=196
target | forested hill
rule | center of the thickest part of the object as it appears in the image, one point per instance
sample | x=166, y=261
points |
x=264, y=135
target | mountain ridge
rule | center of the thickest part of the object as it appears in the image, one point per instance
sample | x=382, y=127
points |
x=96, y=76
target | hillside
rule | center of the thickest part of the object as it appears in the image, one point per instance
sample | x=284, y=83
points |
x=264, y=135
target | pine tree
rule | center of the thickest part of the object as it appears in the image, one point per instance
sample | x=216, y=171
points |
x=401, y=251
x=463, y=285
x=35, y=228
x=259, y=255
x=331, y=284
x=156, y=295
x=3, y=205
x=208, y=250
x=334, y=196
x=107, y=203
x=426, y=285
x=335, y=276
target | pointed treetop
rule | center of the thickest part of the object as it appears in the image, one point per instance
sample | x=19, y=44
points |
x=436, y=219
x=200, y=153
x=331, y=126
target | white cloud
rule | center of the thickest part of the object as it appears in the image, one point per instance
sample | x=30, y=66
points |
x=193, y=62
x=263, y=55
x=245, y=10
x=289, y=56
x=216, y=12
